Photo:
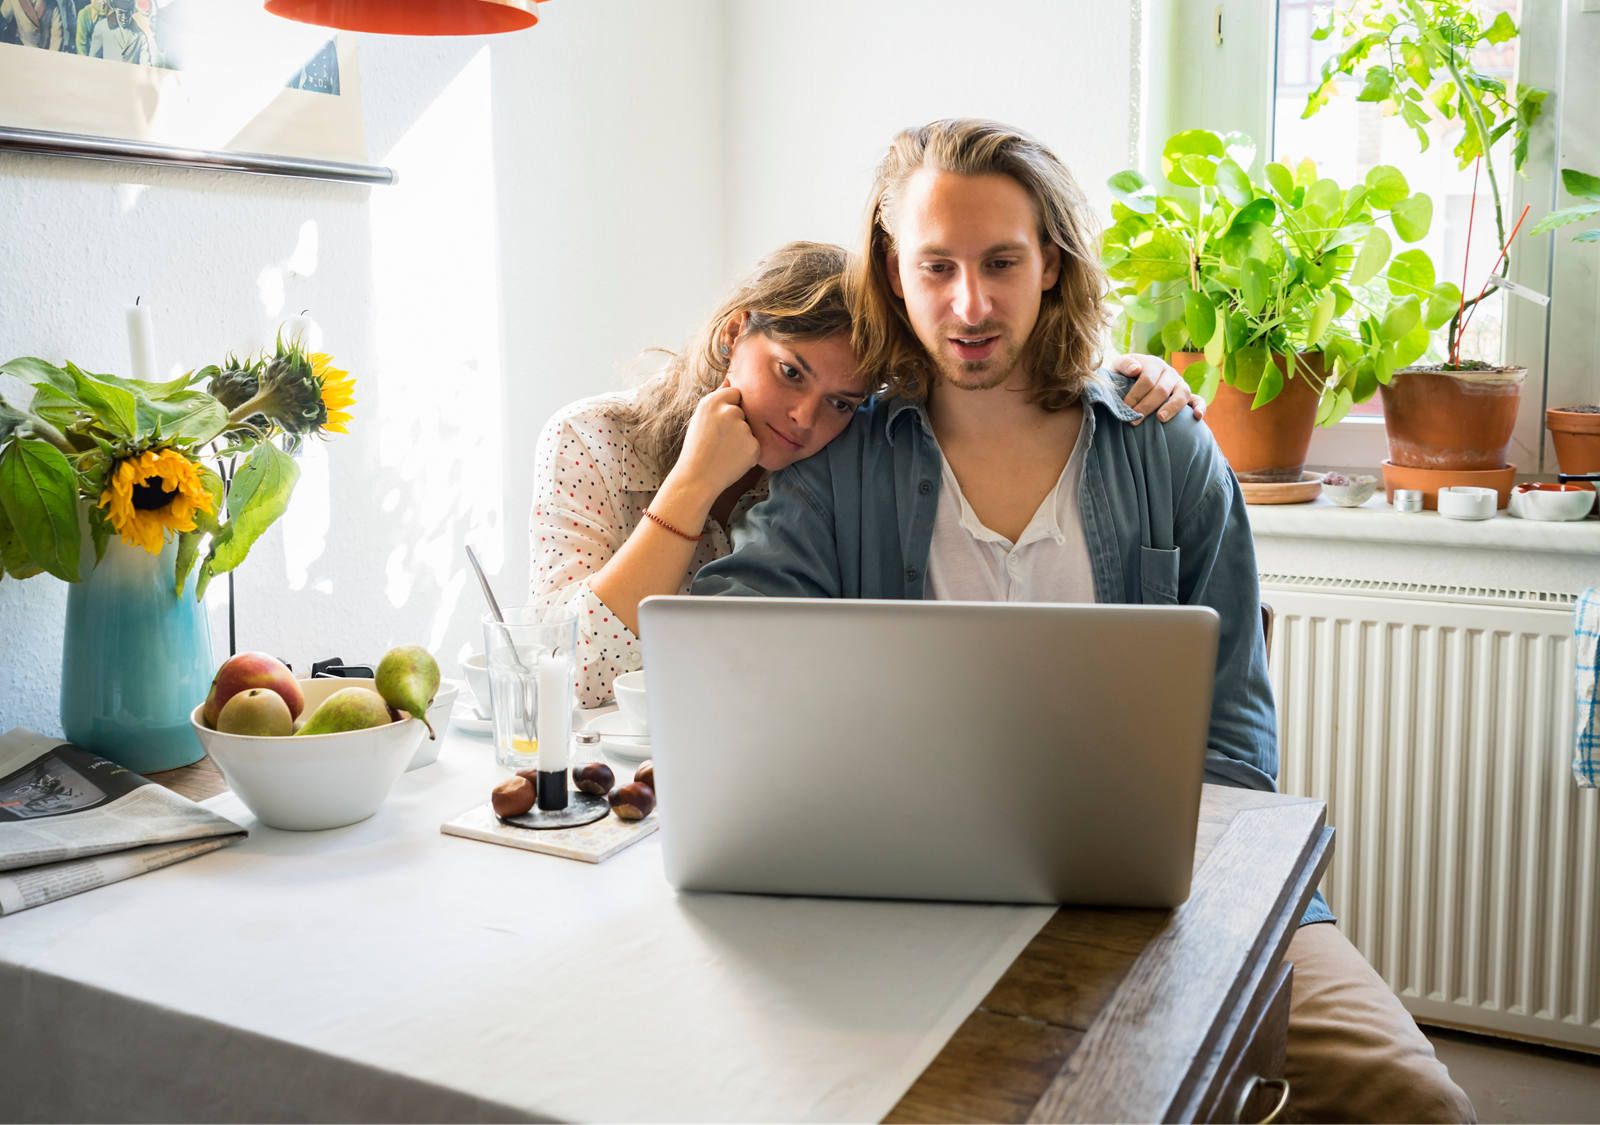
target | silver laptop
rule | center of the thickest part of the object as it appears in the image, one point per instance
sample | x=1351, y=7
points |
x=929, y=750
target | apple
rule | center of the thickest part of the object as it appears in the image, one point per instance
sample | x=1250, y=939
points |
x=246, y=670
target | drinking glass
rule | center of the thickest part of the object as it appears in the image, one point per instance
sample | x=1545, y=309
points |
x=532, y=662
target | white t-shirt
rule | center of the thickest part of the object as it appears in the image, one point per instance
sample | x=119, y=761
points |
x=1049, y=562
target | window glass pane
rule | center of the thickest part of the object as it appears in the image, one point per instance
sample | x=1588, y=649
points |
x=1347, y=138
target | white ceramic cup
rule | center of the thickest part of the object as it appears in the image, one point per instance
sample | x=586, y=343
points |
x=476, y=670
x=629, y=690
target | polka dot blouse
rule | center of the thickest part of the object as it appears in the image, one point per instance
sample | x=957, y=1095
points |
x=590, y=491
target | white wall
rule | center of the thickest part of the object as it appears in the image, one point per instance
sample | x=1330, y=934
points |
x=567, y=196
x=818, y=89
x=558, y=209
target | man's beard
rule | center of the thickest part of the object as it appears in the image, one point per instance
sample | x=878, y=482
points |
x=979, y=375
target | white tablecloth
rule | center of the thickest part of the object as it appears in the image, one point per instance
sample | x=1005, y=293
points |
x=385, y=971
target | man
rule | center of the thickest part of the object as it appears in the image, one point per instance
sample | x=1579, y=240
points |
x=45, y=24
x=999, y=466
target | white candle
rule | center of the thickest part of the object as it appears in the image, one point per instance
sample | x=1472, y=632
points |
x=554, y=674
x=142, y=343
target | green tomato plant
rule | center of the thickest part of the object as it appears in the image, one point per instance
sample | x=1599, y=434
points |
x=1416, y=60
x=1581, y=186
x=1245, y=270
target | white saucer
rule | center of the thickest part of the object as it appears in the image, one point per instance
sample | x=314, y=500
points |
x=466, y=718
x=612, y=724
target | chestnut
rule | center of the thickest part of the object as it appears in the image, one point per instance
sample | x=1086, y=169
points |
x=531, y=774
x=646, y=775
x=632, y=801
x=595, y=777
x=512, y=797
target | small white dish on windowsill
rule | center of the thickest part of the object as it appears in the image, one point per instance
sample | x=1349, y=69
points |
x=1349, y=492
x=1466, y=502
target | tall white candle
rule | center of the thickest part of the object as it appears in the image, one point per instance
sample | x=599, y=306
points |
x=142, y=343
x=554, y=674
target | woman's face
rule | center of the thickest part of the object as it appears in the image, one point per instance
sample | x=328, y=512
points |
x=797, y=396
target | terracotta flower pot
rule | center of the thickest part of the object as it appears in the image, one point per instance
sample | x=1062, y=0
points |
x=1451, y=419
x=1266, y=446
x=1575, y=431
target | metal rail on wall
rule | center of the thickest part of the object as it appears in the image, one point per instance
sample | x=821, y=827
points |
x=43, y=143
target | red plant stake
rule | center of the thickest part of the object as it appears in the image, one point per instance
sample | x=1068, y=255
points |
x=1463, y=330
x=1466, y=257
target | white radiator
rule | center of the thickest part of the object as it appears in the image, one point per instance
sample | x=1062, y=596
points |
x=1437, y=723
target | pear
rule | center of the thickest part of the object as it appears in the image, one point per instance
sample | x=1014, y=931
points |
x=256, y=711
x=408, y=679
x=351, y=708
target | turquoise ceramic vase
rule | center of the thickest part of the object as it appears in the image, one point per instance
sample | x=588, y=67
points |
x=135, y=661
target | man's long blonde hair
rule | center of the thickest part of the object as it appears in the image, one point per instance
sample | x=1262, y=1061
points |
x=794, y=294
x=1064, y=348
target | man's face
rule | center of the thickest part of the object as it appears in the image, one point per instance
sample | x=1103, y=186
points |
x=969, y=265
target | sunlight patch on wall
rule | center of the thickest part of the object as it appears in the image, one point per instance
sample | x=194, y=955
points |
x=439, y=404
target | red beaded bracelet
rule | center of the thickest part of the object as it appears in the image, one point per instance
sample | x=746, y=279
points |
x=657, y=519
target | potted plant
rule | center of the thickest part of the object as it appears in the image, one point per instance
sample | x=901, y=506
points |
x=1416, y=62
x=1575, y=430
x=117, y=486
x=1279, y=299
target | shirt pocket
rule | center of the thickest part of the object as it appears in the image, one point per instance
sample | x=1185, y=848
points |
x=1158, y=575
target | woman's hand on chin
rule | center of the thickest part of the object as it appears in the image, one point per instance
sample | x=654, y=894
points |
x=719, y=447
x=1157, y=389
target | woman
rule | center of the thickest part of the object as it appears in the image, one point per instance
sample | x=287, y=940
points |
x=635, y=491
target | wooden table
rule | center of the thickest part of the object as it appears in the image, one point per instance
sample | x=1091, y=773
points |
x=1128, y=1015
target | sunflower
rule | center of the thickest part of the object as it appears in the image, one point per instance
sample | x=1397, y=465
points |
x=338, y=391
x=151, y=493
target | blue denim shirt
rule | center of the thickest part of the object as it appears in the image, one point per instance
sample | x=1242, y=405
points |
x=1163, y=519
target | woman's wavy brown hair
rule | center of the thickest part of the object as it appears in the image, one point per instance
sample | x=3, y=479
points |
x=1065, y=345
x=795, y=293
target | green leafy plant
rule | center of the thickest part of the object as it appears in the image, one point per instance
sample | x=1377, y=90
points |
x=1579, y=185
x=153, y=462
x=1245, y=270
x=1415, y=59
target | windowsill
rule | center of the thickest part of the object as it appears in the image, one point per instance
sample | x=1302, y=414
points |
x=1375, y=522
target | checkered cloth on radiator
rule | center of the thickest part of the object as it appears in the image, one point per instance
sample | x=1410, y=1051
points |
x=1586, y=631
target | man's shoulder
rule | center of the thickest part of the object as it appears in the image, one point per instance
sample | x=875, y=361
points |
x=1184, y=437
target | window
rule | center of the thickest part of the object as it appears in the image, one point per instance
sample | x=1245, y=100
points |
x=1247, y=65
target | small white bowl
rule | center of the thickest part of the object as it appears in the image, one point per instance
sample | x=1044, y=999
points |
x=444, y=700
x=476, y=669
x=1465, y=502
x=1354, y=494
x=1551, y=502
x=629, y=690
x=311, y=781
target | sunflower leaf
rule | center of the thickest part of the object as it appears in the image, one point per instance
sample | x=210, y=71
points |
x=32, y=370
x=186, y=417
x=115, y=407
x=258, y=496
x=38, y=491
x=100, y=532
x=14, y=557
x=188, y=551
x=211, y=522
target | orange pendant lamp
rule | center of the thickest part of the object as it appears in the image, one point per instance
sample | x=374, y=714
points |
x=412, y=17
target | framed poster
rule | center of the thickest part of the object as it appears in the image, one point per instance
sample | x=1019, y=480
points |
x=217, y=83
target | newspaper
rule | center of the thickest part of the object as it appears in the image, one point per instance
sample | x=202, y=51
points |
x=71, y=821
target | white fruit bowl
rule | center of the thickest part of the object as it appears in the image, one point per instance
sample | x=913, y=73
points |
x=444, y=701
x=307, y=782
